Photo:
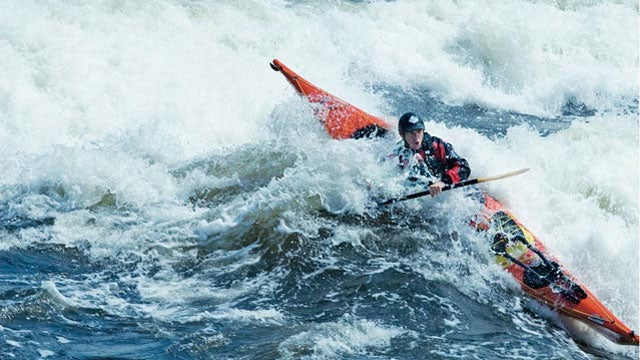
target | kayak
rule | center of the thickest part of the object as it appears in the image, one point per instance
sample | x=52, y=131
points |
x=516, y=249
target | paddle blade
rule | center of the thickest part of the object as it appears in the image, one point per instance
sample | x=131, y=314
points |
x=503, y=176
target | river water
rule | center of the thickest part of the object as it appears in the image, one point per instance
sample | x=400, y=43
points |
x=165, y=195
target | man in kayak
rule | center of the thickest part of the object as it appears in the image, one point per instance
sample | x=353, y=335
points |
x=429, y=160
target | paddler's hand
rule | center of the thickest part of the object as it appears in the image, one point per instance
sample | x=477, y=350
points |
x=435, y=189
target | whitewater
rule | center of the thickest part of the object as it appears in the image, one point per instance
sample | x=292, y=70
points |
x=165, y=195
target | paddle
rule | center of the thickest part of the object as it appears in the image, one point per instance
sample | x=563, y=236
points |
x=455, y=186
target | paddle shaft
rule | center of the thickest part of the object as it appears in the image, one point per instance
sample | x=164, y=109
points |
x=454, y=186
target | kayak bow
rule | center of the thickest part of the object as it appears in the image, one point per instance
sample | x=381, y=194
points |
x=341, y=119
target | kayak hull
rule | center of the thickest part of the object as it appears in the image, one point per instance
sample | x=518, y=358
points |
x=567, y=296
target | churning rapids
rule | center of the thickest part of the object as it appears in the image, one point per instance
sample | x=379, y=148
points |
x=164, y=194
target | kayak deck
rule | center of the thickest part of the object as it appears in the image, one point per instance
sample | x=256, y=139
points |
x=561, y=292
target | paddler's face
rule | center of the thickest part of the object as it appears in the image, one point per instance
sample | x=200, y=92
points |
x=414, y=139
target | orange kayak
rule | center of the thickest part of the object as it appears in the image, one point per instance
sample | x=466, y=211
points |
x=518, y=251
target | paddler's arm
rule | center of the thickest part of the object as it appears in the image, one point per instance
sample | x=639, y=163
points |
x=457, y=169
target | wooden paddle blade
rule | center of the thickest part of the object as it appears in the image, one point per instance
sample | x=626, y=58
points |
x=502, y=176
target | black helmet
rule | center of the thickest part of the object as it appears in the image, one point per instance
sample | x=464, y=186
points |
x=409, y=122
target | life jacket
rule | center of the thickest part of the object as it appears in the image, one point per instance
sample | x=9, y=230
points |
x=436, y=160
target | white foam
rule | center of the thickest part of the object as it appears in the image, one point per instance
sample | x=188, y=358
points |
x=268, y=316
x=52, y=290
x=347, y=336
x=63, y=340
x=45, y=353
x=177, y=90
x=217, y=226
x=13, y=343
x=351, y=236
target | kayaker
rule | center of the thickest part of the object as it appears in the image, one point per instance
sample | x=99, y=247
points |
x=429, y=160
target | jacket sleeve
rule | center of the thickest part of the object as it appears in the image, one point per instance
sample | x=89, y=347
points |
x=456, y=167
